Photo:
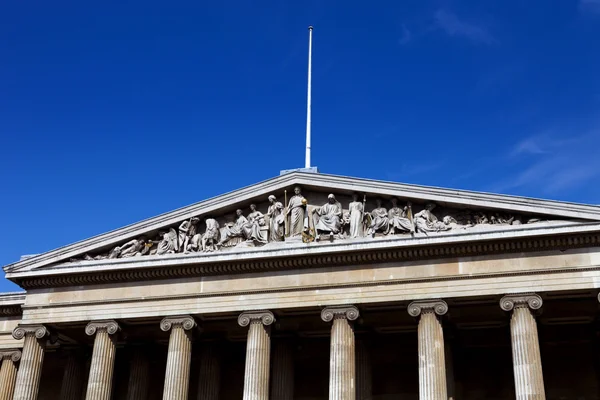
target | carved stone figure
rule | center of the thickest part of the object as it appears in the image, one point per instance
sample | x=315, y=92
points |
x=276, y=220
x=296, y=213
x=355, y=219
x=426, y=221
x=329, y=217
x=168, y=244
x=380, y=220
x=133, y=248
x=235, y=230
x=255, y=229
x=210, y=238
x=401, y=219
x=187, y=230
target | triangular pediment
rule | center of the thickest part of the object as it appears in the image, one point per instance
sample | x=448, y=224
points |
x=186, y=233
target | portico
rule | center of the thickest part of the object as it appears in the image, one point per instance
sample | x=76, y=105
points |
x=458, y=308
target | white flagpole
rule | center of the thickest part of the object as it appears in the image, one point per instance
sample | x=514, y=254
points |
x=307, y=160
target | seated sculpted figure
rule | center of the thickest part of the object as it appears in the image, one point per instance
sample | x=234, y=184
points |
x=329, y=218
x=255, y=229
x=231, y=231
x=380, y=220
x=427, y=222
x=399, y=221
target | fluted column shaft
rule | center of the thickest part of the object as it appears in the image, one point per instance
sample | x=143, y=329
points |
x=527, y=362
x=364, y=379
x=27, y=384
x=177, y=374
x=99, y=385
x=282, y=381
x=342, y=367
x=258, y=354
x=73, y=378
x=432, y=364
x=137, y=387
x=8, y=373
x=209, y=376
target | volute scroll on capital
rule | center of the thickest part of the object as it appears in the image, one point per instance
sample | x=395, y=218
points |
x=40, y=331
x=265, y=317
x=187, y=322
x=511, y=301
x=13, y=355
x=351, y=313
x=110, y=326
x=416, y=308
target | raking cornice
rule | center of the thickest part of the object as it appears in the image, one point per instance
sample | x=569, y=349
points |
x=310, y=181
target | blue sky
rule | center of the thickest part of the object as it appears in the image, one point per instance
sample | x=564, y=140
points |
x=112, y=112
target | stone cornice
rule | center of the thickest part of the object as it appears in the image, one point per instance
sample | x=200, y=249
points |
x=512, y=301
x=379, y=251
x=439, y=306
x=110, y=326
x=187, y=322
x=348, y=312
x=39, y=331
x=11, y=303
x=14, y=355
x=264, y=317
x=312, y=182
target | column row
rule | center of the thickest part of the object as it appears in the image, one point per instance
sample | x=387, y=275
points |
x=24, y=384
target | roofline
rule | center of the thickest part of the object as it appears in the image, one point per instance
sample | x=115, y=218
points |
x=336, y=182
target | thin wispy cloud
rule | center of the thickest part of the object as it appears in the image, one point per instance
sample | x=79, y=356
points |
x=406, y=36
x=590, y=6
x=552, y=165
x=453, y=26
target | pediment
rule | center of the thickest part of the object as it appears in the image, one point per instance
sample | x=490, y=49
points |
x=311, y=220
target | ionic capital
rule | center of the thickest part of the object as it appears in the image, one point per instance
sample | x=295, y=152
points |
x=39, y=331
x=416, y=308
x=185, y=321
x=110, y=326
x=511, y=301
x=14, y=355
x=264, y=317
x=348, y=312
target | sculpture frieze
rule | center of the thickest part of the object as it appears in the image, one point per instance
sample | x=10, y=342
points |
x=298, y=220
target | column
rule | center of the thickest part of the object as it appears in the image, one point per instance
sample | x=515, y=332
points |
x=364, y=378
x=32, y=358
x=209, y=376
x=527, y=363
x=258, y=353
x=341, y=357
x=8, y=372
x=282, y=381
x=99, y=385
x=73, y=377
x=139, y=369
x=177, y=375
x=432, y=364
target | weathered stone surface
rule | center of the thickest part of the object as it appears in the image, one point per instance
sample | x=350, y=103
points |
x=282, y=381
x=432, y=364
x=527, y=362
x=73, y=381
x=342, y=369
x=30, y=369
x=99, y=385
x=258, y=354
x=8, y=372
x=177, y=375
x=139, y=371
x=209, y=375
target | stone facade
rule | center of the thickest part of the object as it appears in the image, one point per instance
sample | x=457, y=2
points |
x=465, y=304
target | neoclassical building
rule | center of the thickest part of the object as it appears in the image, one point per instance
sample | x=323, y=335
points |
x=311, y=286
